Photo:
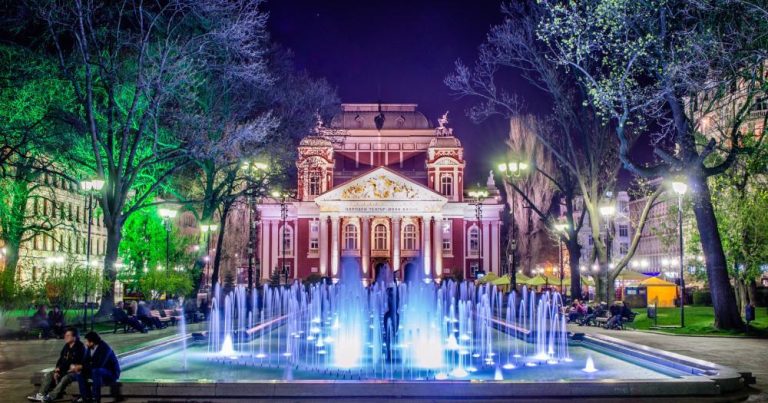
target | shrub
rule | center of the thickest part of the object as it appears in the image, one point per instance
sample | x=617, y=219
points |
x=702, y=298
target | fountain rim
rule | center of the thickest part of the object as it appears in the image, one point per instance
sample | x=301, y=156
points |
x=705, y=379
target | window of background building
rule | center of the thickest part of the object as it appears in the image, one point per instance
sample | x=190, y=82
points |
x=623, y=230
x=409, y=237
x=446, y=185
x=314, y=186
x=350, y=237
x=474, y=240
x=380, y=237
x=447, y=235
x=314, y=235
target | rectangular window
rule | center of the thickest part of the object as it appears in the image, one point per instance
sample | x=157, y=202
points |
x=447, y=235
x=623, y=248
x=314, y=235
x=623, y=230
x=314, y=187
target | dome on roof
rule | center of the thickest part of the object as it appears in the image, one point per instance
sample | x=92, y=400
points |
x=396, y=117
x=315, y=141
x=444, y=141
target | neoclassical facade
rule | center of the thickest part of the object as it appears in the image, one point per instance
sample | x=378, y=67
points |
x=382, y=186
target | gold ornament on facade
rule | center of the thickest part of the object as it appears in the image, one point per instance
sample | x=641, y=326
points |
x=379, y=188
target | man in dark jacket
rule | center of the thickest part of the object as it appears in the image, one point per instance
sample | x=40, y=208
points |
x=56, y=381
x=119, y=314
x=100, y=365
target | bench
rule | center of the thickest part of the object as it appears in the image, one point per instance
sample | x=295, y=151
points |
x=629, y=321
x=163, y=319
x=125, y=326
x=174, y=314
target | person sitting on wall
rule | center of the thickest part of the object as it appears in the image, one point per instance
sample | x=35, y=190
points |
x=55, y=382
x=100, y=365
x=119, y=314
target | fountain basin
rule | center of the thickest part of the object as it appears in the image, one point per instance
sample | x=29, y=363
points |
x=623, y=369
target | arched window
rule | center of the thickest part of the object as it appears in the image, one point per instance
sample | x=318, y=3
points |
x=474, y=240
x=287, y=240
x=314, y=185
x=380, y=237
x=446, y=185
x=409, y=237
x=350, y=237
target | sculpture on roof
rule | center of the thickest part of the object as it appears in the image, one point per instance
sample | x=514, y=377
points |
x=443, y=129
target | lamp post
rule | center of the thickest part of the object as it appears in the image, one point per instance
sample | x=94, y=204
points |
x=207, y=229
x=512, y=171
x=282, y=196
x=680, y=188
x=477, y=200
x=89, y=187
x=251, y=168
x=607, y=211
x=561, y=228
x=167, y=215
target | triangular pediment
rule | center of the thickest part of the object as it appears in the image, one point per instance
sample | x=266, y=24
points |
x=381, y=184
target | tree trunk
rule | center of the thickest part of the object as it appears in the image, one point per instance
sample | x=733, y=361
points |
x=752, y=291
x=114, y=234
x=726, y=312
x=219, y=243
x=574, y=256
x=9, y=272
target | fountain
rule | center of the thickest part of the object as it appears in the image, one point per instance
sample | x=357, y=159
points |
x=416, y=331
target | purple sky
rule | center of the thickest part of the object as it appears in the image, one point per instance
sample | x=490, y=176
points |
x=399, y=52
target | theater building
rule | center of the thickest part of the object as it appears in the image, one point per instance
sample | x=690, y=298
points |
x=383, y=186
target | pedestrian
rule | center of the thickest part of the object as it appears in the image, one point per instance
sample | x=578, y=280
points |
x=56, y=381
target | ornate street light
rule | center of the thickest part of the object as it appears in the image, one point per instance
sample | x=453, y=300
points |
x=478, y=196
x=513, y=171
x=251, y=169
x=167, y=214
x=90, y=187
x=680, y=188
x=608, y=211
x=282, y=196
x=562, y=228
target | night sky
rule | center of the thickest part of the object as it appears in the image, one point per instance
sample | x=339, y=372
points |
x=399, y=52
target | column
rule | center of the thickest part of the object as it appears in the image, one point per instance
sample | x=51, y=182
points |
x=335, y=246
x=274, y=242
x=395, y=243
x=323, y=245
x=295, y=250
x=426, y=244
x=365, y=244
x=485, y=238
x=438, y=245
x=264, y=250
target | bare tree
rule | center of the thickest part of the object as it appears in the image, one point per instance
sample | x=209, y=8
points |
x=131, y=66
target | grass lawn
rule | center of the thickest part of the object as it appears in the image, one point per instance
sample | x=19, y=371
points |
x=698, y=320
x=73, y=317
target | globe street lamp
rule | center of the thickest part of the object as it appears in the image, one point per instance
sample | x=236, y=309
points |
x=167, y=214
x=207, y=229
x=680, y=188
x=511, y=172
x=478, y=196
x=251, y=169
x=561, y=228
x=282, y=196
x=89, y=187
